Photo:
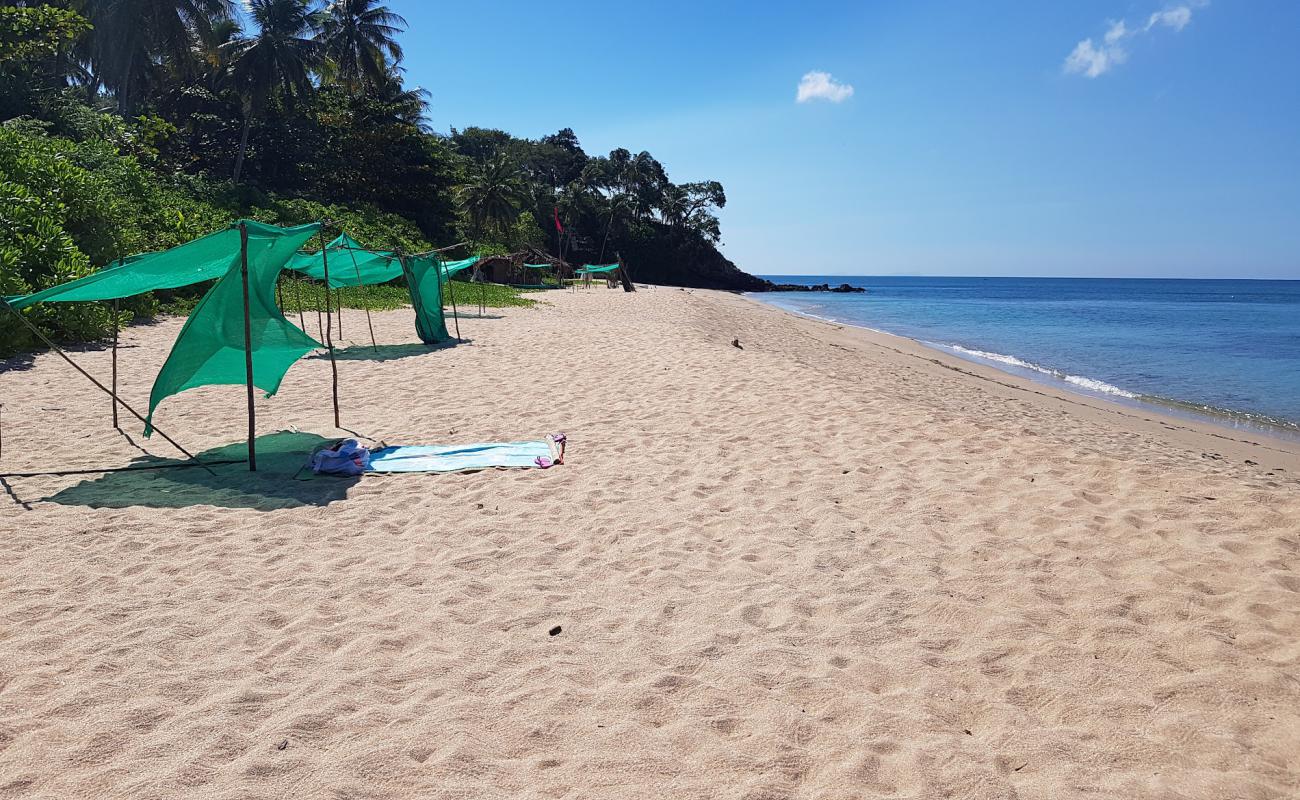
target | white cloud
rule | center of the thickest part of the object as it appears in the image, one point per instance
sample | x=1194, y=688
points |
x=1091, y=60
x=1176, y=18
x=821, y=86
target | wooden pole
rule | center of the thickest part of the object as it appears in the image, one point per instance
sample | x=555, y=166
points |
x=451, y=291
x=248, y=350
x=98, y=385
x=626, y=279
x=369, y=324
x=116, y=426
x=297, y=300
x=338, y=306
x=329, y=338
x=320, y=325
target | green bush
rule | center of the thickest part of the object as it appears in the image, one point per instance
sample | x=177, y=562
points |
x=68, y=207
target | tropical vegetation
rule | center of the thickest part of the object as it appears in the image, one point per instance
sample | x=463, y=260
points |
x=134, y=125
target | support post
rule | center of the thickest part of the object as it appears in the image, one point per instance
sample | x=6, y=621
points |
x=338, y=307
x=248, y=350
x=297, y=300
x=451, y=292
x=369, y=324
x=626, y=279
x=46, y=340
x=329, y=337
x=116, y=426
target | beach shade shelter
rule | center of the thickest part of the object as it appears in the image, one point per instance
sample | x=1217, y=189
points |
x=587, y=270
x=541, y=270
x=236, y=334
x=369, y=267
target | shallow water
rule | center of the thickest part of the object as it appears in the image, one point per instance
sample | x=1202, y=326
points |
x=1229, y=349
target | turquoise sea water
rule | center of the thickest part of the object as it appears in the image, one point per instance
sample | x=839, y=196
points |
x=1226, y=349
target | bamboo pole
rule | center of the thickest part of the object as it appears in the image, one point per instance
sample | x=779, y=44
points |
x=297, y=300
x=45, y=339
x=329, y=338
x=116, y=426
x=338, y=306
x=320, y=324
x=451, y=291
x=248, y=350
x=369, y=324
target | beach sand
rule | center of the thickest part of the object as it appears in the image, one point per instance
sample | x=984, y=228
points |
x=831, y=564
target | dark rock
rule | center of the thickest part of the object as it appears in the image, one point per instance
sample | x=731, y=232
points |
x=555, y=631
x=843, y=288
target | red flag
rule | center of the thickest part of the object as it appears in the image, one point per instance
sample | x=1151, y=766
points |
x=558, y=226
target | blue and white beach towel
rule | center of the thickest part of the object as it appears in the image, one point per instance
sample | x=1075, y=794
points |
x=468, y=457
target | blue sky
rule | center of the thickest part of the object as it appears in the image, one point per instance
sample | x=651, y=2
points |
x=994, y=138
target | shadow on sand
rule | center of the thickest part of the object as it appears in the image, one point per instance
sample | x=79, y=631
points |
x=386, y=352
x=276, y=484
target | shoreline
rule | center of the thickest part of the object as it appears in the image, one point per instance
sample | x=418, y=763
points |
x=1139, y=409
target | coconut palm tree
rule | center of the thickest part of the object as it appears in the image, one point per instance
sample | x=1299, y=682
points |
x=131, y=37
x=491, y=198
x=279, y=56
x=360, y=42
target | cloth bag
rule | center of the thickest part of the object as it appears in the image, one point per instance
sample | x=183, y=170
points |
x=345, y=458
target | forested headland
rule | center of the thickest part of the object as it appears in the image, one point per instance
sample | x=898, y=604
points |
x=136, y=125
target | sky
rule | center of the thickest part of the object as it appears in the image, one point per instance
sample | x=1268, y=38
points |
x=1110, y=138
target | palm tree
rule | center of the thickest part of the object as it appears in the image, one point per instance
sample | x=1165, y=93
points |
x=131, y=37
x=279, y=56
x=493, y=195
x=395, y=103
x=360, y=42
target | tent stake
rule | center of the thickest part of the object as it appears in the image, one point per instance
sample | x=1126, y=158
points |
x=248, y=350
x=369, y=324
x=116, y=426
x=98, y=385
x=329, y=338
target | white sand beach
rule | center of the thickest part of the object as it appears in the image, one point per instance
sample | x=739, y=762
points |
x=825, y=564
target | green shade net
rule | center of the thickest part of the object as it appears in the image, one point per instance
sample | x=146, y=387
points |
x=200, y=260
x=426, y=295
x=539, y=266
x=210, y=348
x=591, y=269
x=450, y=268
x=350, y=264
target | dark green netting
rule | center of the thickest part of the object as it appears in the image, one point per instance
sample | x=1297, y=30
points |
x=202, y=259
x=539, y=266
x=422, y=279
x=210, y=348
x=592, y=269
x=350, y=264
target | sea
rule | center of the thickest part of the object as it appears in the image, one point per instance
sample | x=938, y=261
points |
x=1226, y=351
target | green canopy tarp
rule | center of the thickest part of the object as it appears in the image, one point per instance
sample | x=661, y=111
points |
x=203, y=259
x=592, y=269
x=540, y=266
x=350, y=264
x=210, y=349
x=450, y=268
x=422, y=277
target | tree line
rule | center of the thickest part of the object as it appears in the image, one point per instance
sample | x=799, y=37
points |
x=132, y=125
